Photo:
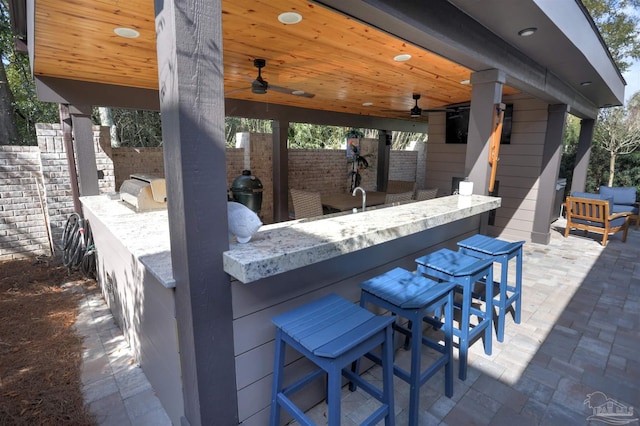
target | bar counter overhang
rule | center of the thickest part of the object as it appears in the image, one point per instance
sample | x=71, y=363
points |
x=286, y=246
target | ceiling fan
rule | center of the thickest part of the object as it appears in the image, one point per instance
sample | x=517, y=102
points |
x=416, y=111
x=260, y=86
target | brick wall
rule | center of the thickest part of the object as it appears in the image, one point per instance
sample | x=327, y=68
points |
x=23, y=232
x=128, y=161
x=35, y=194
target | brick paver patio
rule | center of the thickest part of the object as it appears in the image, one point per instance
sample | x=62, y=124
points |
x=579, y=336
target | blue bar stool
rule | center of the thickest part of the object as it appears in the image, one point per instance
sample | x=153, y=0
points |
x=333, y=333
x=414, y=297
x=465, y=271
x=502, y=252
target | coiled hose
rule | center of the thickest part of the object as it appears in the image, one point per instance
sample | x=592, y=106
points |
x=78, y=248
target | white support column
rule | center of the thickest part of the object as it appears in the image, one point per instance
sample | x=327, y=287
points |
x=85, y=150
x=486, y=92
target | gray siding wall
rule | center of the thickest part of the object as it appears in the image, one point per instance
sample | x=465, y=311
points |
x=518, y=168
x=145, y=311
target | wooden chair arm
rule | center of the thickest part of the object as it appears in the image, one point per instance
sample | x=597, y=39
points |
x=617, y=215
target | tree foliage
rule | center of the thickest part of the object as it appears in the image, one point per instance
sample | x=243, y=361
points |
x=617, y=21
x=20, y=108
x=618, y=133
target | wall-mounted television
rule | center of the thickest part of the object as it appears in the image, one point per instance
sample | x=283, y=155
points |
x=457, y=125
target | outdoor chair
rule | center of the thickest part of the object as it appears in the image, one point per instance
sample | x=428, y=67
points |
x=306, y=204
x=398, y=198
x=426, y=194
x=591, y=213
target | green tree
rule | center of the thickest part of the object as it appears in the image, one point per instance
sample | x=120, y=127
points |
x=20, y=108
x=618, y=133
x=617, y=21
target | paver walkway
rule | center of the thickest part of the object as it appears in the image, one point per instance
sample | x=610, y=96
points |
x=579, y=336
x=115, y=387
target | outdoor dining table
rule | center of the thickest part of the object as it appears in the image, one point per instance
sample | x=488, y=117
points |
x=346, y=201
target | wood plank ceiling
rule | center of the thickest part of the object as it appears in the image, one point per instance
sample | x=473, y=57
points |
x=342, y=62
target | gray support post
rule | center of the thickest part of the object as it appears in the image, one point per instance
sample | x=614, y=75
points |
x=85, y=150
x=579, y=179
x=486, y=92
x=189, y=47
x=280, y=133
x=551, y=155
x=384, y=151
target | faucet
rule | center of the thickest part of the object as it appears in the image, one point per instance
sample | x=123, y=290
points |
x=364, y=196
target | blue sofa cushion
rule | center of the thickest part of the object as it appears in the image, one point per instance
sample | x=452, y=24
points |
x=586, y=195
x=621, y=208
x=624, y=195
x=615, y=222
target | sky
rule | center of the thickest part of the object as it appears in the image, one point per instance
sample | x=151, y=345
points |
x=632, y=77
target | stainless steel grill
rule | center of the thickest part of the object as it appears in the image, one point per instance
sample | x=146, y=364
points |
x=144, y=193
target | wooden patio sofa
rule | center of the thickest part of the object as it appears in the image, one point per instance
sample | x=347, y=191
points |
x=591, y=213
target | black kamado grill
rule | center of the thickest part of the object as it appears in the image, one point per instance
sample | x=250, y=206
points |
x=247, y=189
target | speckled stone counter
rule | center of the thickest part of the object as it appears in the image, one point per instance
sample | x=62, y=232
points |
x=282, y=247
x=145, y=235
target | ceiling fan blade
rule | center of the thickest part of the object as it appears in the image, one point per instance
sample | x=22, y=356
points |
x=288, y=91
x=231, y=92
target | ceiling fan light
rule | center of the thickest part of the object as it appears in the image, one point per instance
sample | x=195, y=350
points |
x=416, y=112
x=290, y=18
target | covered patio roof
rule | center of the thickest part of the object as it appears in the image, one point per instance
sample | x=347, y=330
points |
x=341, y=52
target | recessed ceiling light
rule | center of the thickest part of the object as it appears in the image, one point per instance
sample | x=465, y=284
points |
x=367, y=103
x=126, y=32
x=585, y=83
x=298, y=92
x=527, y=32
x=465, y=82
x=290, y=18
x=404, y=57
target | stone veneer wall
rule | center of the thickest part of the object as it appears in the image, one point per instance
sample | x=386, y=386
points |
x=35, y=190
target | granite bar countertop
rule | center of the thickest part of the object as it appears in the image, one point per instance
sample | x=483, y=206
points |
x=145, y=234
x=285, y=246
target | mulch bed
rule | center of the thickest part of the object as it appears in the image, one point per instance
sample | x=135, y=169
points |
x=40, y=351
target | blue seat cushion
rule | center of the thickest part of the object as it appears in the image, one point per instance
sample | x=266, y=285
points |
x=614, y=223
x=621, y=208
x=625, y=195
x=588, y=195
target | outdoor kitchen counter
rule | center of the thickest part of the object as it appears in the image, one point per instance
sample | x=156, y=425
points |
x=286, y=246
x=145, y=235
